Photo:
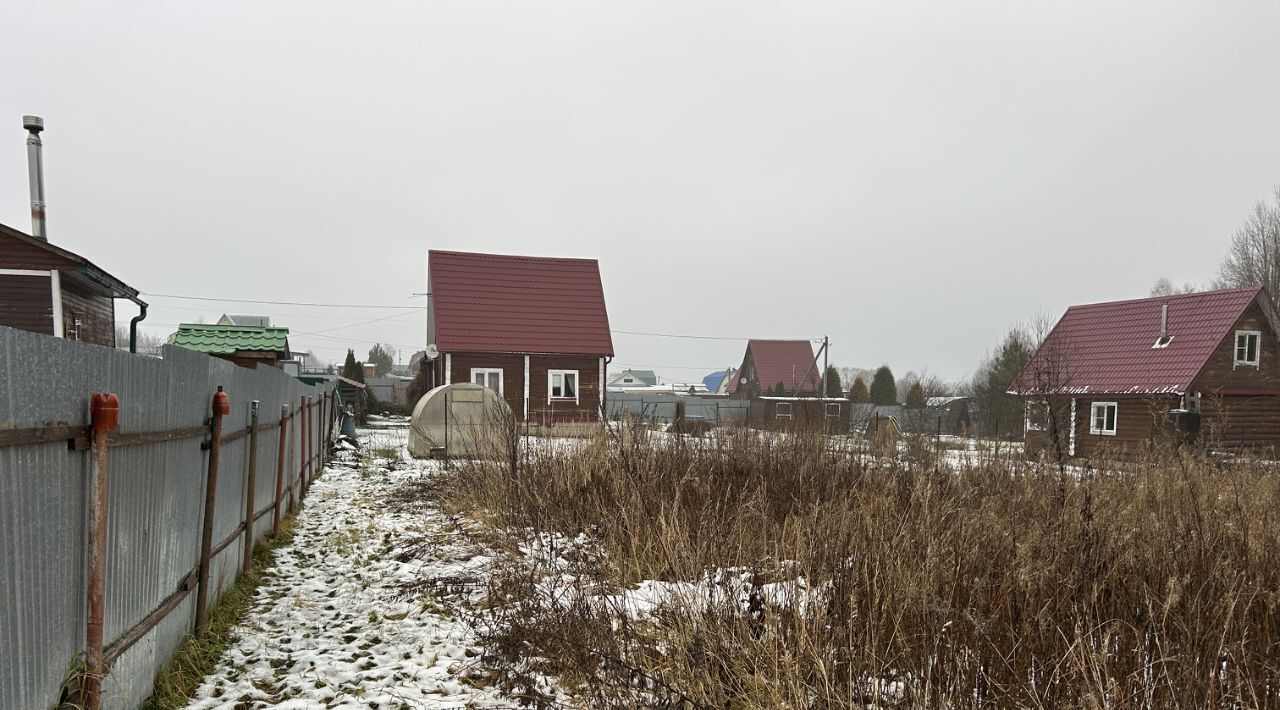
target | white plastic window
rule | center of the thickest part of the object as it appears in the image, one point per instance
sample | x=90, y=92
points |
x=1247, y=342
x=1103, y=419
x=490, y=377
x=562, y=384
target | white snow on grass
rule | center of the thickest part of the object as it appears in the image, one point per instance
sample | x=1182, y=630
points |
x=331, y=626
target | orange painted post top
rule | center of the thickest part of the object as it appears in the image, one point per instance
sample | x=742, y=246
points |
x=104, y=409
x=221, y=402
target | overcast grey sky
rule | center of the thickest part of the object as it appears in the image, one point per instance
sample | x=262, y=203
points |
x=909, y=179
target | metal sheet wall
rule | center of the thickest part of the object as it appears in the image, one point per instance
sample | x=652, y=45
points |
x=662, y=407
x=155, y=495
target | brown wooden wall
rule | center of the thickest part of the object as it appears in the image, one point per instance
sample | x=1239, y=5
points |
x=586, y=409
x=1240, y=422
x=1140, y=421
x=97, y=315
x=1220, y=372
x=1240, y=405
x=26, y=303
x=18, y=253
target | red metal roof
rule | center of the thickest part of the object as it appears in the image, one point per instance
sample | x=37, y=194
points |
x=781, y=361
x=517, y=304
x=1109, y=347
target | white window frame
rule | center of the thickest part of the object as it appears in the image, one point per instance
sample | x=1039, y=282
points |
x=827, y=410
x=781, y=415
x=577, y=386
x=1257, y=348
x=1093, y=418
x=486, y=371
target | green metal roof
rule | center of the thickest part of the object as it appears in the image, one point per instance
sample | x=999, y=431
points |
x=227, y=339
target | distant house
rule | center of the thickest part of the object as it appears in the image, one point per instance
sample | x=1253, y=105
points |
x=257, y=321
x=634, y=378
x=831, y=415
x=47, y=289
x=355, y=398
x=533, y=329
x=713, y=381
x=245, y=345
x=1120, y=375
x=769, y=362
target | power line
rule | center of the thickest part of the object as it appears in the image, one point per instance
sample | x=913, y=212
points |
x=706, y=337
x=278, y=303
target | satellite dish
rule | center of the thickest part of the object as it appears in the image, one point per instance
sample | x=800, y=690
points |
x=432, y=352
x=742, y=381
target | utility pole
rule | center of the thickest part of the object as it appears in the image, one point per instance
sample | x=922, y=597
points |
x=825, y=343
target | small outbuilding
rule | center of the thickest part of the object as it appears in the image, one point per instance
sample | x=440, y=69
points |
x=245, y=345
x=460, y=420
x=825, y=414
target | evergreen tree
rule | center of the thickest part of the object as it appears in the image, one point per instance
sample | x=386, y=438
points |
x=1002, y=413
x=883, y=389
x=833, y=386
x=351, y=369
x=779, y=390
x=381, y=357
x=858, y=393
x=915, y=396
x=418, y=386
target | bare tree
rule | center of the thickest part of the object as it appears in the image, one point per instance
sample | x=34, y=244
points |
x=1254, y=256
x=147, y=344
x=1164, y=287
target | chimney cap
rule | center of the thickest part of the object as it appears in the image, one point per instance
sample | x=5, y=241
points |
x=35, y=124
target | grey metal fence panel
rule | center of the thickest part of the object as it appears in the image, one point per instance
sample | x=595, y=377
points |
x=661, y=407
x=155, y=498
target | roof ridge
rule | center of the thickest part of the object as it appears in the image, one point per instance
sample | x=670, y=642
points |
x=516, y=257
x=1161, y=299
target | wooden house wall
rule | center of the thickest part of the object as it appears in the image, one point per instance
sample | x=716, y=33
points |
x=97, y=315
x=26, y=303
x=1240, y=405
x=18, y=253
x=806, y=414
x=541, y=410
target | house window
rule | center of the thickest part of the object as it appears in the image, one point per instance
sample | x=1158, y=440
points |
x=1037, y=415
x=1103, y=420
x=490, y=377
x=1247, y=347
x=833, y=410
x=783, y=412
x=562, y=384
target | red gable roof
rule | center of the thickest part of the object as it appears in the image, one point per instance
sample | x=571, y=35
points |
x=517, y=304
x=781, y=361
x=1110, y=347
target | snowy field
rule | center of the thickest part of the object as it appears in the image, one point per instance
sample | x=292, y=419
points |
x=366, y=607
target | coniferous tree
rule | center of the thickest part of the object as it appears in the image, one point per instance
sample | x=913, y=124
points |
x=883, y=389
x=858, y=393
x=351, y=369
x=779, y=390
x=381, y=357
x=915, y=396
x=833, y=386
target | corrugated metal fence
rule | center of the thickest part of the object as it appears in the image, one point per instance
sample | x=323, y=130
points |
x=661, y=407
x=157, y=479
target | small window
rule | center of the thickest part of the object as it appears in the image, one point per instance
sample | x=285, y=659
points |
x=1103, y=420
x=562, y=384
x=490, y=377
x=833, y=410
x=1037, y=415
x=782, y=412
x=1247, y=342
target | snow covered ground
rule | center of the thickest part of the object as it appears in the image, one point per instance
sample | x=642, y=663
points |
x=334, y=627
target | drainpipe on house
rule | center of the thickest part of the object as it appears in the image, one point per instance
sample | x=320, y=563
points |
x=133, y=323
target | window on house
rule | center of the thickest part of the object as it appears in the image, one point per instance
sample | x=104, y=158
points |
x=1037, y=415
x=490, y=377
x=783, y=411
x=563, y=384
x=833, y=410
x=1103, y=420
x=1247, y=342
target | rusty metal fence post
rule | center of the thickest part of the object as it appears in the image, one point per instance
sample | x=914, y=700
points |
x=105, y=417
x=221, y=408
x=280, y=470
x=302, y=446
x=250, y=485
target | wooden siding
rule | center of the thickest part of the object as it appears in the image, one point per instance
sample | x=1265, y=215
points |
x=97, y=315
x=1140, y=421
x=26, y=303
x=806, y=415
x=18, y=253
x=1240, y=405
x=541, y=410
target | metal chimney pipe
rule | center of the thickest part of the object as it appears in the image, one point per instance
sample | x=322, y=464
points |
x=35, y=172
x=1164, y=322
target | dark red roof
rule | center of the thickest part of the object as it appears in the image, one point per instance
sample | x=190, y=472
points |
x=781, y=361
x=1109, y=348
x=517, y=304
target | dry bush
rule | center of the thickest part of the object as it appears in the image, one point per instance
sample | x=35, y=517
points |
x=998, y=584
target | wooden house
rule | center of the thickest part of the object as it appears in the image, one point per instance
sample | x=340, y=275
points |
x=824, y=414
x=47, y=289
x=1119, y=376
x=533, y=329
x=768, y=363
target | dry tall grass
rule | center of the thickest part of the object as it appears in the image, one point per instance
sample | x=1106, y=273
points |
x=998, y=584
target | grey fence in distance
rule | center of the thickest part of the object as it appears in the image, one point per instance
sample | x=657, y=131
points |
x=661, y=407
x=156, y=489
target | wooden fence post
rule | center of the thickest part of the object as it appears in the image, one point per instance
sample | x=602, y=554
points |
x=302, y=445
x=280, y=469
x=105, y=416
x=293, y=434
x=250, y=485
x=221, y=408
